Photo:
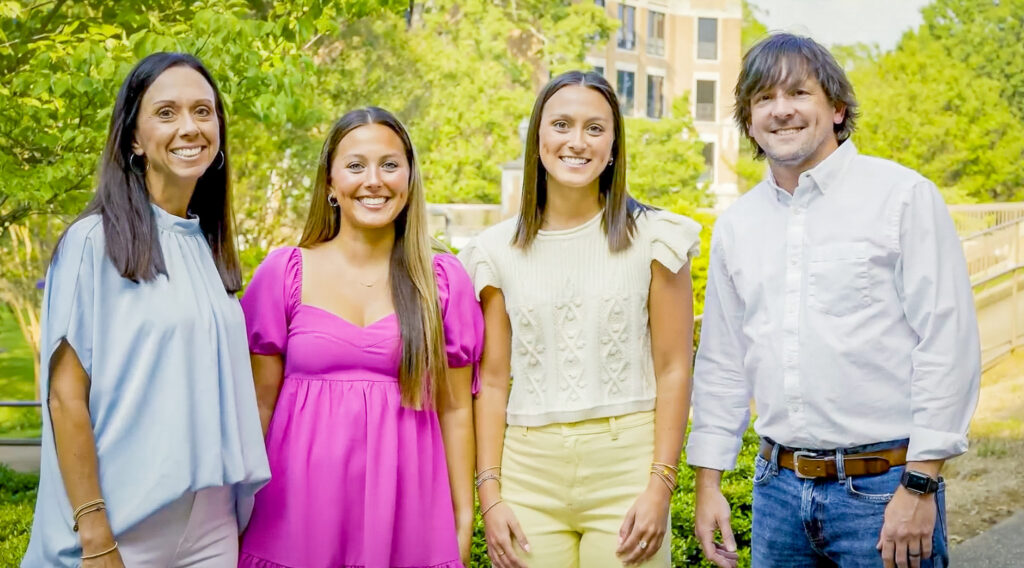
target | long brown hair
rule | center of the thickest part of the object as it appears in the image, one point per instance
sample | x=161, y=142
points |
x=620, y=210
x=411, y=279
x=122, y=199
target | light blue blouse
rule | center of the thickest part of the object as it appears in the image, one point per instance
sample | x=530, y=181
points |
x=172, y=399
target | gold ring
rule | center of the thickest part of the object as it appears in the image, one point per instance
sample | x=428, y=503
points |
x=501, y=553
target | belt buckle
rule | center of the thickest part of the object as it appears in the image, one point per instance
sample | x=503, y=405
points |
x=797, y=455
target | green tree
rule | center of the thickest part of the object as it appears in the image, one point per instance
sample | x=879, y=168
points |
x=936, y=115
x=987, y=37
x=752, y=29
x=665, y=160
x=462, y=76
x=62, y=62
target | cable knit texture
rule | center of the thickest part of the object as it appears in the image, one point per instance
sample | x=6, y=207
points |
x=581, y=344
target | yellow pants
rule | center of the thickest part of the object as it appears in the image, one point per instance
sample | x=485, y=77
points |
x=570, y=486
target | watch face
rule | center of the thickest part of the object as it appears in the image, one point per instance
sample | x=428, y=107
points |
x=916, y=482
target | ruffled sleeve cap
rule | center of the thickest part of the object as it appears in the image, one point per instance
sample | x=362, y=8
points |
x=674, y=238
x=479, y=265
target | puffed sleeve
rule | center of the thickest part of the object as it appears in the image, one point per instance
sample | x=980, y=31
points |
x=462, y=319
x=69, y=296
x=270, y=299
x=481, y=269
x=674, y=239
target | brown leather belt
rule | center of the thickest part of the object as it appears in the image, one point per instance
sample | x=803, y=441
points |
x=815, y=465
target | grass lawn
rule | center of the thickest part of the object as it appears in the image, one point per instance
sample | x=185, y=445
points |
x=16, y=381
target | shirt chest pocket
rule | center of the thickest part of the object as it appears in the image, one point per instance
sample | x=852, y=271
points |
x=839, y=278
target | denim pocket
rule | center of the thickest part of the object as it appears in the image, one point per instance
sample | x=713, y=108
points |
x=839, y=280
x=874, y=488
x=762, y=470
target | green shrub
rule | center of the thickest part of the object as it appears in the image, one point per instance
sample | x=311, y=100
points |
x=17, y=498
x=736, y=486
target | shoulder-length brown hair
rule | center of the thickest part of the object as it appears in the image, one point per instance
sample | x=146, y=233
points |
x=122, y=199
x=620, y=210
x=411, y=279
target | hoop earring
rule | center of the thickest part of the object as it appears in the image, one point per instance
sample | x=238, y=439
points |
x=332, y=200
x=220, y=153
x=133, y=167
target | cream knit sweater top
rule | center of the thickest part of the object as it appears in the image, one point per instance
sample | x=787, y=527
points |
x=581, y=340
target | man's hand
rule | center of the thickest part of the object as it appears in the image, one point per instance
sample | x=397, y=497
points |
x=713, y=514
x=907, y=530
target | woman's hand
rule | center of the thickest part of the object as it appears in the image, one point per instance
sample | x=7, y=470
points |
x=643, y=530
x=465, y=536
x=502, y=529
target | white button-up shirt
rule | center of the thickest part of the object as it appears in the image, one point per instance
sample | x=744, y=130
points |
x=845, y=309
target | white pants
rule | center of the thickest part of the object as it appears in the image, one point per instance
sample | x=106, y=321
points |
x=199, y=530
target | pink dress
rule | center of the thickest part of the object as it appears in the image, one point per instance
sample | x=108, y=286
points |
x=357, y=480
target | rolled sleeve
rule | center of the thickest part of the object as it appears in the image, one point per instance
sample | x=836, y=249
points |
x=721, y=392
x=939, y=305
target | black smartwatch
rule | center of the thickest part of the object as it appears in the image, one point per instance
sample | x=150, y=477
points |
x=919, y=483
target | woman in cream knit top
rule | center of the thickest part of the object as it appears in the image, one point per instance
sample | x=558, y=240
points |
x=581, y=347
x=585, y=377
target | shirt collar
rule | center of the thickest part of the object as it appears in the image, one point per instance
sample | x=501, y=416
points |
x=826, y=173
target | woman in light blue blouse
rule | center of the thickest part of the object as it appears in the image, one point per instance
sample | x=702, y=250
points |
x=152, y=447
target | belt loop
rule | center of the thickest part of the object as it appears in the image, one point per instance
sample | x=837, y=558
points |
x=525, y=430
x=774, y=465
x=614, y=428
x=841, y=465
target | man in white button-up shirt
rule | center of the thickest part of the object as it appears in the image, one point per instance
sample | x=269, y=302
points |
x=838, y=299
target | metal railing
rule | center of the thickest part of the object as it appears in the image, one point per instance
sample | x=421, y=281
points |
x=995, y=258
x=19, y=404
x=971, y=219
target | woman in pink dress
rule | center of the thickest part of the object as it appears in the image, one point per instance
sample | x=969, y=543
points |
x=364, y=340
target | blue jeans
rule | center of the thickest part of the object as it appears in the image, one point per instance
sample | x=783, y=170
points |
x=816, y=523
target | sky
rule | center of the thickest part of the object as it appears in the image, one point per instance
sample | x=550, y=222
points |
x=834, y=22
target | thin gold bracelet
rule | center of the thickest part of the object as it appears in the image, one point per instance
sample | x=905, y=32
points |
x=672, y=467
x=486, y=478
x=486, y=469
x=491, y=506
x=98, y=554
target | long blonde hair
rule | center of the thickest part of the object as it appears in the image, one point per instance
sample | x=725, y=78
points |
x=412, y=282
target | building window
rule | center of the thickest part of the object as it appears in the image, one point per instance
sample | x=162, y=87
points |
x=599, y=3
x=625, y=91
x=599, y=69
x=655, y=33
x=707, y=38
x=655, y=97
x=626, y=35
x=705, y=109
x=708, y=175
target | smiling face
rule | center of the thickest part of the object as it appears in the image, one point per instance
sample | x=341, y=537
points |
x=369, y=177
x=794, y=124
x=177, y=131
x=576, y=135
